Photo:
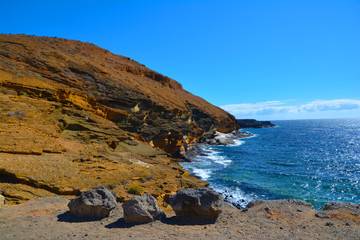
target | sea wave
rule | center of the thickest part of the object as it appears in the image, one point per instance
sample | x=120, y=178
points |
x=235, y=195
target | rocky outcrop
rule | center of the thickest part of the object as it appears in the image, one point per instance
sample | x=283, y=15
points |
x=227, y=138
x=117, y=88
x=252, y=123
x=197, y=204
x=142, y=209
x=95, y=203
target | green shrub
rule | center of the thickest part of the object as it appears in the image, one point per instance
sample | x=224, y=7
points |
x=37, y=75
x=96, y=93
x=135, y=189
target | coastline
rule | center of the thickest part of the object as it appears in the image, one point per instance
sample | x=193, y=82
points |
x=199, y=150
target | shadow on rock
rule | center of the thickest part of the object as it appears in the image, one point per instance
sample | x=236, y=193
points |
x=69, y=217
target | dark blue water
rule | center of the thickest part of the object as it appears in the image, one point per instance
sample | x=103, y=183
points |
x=314, y=160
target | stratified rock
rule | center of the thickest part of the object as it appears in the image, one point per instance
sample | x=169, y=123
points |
x=142, y=209
x=199, y=203
x=337, y=205
x=96, y=203
x=2, y=201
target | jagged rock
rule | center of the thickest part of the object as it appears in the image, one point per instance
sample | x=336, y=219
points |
x=2, y=201
x=142, y=209
x=202, y=203
x=337, y=205
x=96, y=203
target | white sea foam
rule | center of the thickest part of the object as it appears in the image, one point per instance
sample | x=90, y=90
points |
x=235, y=196
x=202, y=173
x=237, y=142
x=215, y=157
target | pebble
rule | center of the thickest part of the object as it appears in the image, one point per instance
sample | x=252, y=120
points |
x=322, y=215
x=347, y=224
x=329, y=224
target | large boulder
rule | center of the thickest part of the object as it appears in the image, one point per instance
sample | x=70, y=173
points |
x=197, y=204
x=95, y=203
x=142, y=209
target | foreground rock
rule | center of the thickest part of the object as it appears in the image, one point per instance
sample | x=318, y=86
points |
x=95, y=203
x=197, y=204
x=142, y=209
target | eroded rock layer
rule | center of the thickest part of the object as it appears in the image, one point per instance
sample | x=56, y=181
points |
x=75, y=116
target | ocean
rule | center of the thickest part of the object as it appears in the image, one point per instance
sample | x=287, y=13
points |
x=313, y=160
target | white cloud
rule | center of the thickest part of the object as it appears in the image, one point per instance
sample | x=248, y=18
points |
x=330, y=105
x=271, y=109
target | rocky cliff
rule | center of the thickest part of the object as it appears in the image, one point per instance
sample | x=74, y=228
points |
x=75, y=116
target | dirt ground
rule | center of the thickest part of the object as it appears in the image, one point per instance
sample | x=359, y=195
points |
x=48, y=218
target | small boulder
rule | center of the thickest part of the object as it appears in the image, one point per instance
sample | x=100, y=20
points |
x=95, y=203
x=2, y=201
x=142, y=209
x=197, y=204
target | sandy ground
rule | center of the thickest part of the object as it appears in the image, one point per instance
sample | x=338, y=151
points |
x=48, y=218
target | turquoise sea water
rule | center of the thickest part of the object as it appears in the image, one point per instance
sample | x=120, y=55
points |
x=314, y=160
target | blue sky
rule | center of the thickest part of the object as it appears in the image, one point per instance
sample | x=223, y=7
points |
x=268, y=59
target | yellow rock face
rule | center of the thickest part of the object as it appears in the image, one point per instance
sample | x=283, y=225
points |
x=48, y=148
x=74, y=116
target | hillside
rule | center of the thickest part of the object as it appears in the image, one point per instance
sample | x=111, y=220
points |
x=75, y=116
